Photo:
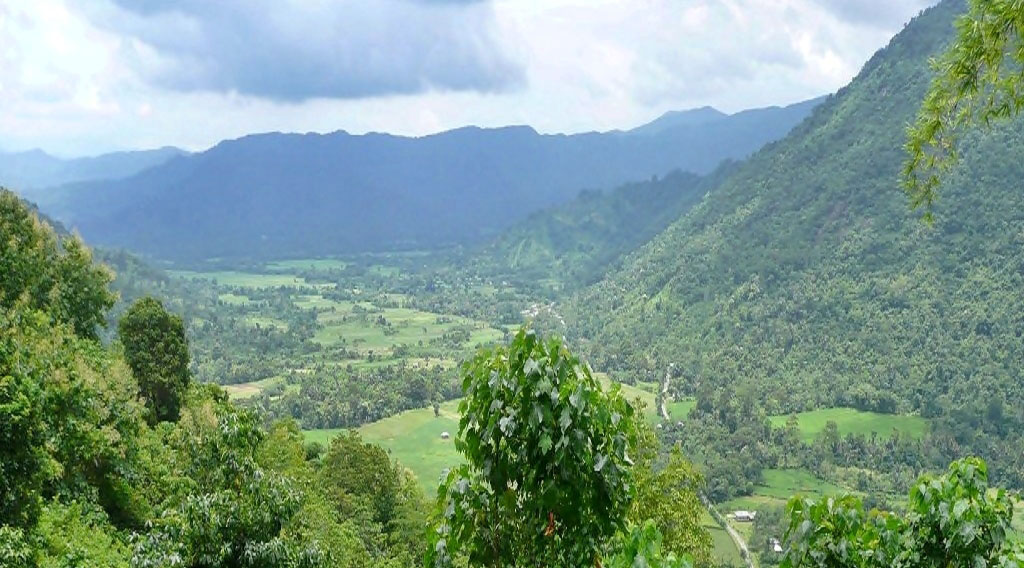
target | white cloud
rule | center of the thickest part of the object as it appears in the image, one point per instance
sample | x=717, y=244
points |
x=74, y=87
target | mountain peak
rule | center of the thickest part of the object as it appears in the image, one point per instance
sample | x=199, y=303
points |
x=675, y=118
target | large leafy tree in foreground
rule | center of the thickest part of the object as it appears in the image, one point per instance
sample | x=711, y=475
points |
x=549, y=478
x=978, y=80
x=951, y=520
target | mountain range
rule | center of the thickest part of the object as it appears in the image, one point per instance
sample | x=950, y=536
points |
x=32, y=171
x=306, y=194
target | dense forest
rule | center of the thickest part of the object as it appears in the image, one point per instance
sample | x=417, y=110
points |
x=738, y=346
x=804, y=282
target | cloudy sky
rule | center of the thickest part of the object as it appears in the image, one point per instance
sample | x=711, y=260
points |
x=81, y=77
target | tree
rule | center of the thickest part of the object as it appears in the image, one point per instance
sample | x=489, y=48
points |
x=51, y=274
x=24, y=462
x=669, y=498
x=951, y=520
x=978, y=80
x=643, y=546
x=548, y=478
x=156, y=349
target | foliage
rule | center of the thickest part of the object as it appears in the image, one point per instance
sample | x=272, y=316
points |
x=86, y=481
x=951, y=520
x=156, y=349
x=669, y=498
x=51, y=274
x=978, y=80
x=643, y=547
x=232, y=511
x=549, y=477
x=572, y=245
x=799, y=283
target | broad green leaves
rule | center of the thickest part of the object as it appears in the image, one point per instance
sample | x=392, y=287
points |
x=549, y=478
x=951, y=520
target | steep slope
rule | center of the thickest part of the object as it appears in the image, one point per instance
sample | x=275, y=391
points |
x=805, y=280
x=570, y=246
x=34, y=170
x=289, y=194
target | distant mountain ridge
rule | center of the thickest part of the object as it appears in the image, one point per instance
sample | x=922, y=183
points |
x=33, y=170
x=306, y=194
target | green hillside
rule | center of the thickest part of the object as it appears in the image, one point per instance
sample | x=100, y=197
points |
x=572, y=245
x=804, y=279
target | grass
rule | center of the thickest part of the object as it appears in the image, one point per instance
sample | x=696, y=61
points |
x=854, y=421
x=680, y=409
x=414, y=439
x=234, y=299
x=358, y=326
x=242, y=279
x=244, y=391
x=631, y=393
x=777, y=486
x=321, y=264
x=723, y=549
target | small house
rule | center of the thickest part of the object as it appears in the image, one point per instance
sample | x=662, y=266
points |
x=744, y=516
x=445, y=435
x=776, y=545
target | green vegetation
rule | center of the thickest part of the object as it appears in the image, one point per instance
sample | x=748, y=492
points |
x=548, y=479
x=978, y=81
x=241, y=279
x=680, y=409
x=853, y=421
x=951, y=520
x=724, y=549
x=570, y=246
x=86, y=480
x=414, y=439
x=778, y=485
x=802, y=282
x=156, y=350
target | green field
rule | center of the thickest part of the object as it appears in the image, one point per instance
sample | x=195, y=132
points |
x=680, y=409
x=854, y=421
x=233, y=299
x=631, y=393
x=778, y=486
x=321, y=264
x=414, y=439
x=242, y=279
x=365, y=327
x=248, y=390
x=724, y=550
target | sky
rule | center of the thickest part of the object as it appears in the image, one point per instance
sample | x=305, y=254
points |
x=83, y=77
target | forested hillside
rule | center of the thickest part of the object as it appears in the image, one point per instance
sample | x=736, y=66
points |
x=804, y=281
x=570, y=246
x=303, y=195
